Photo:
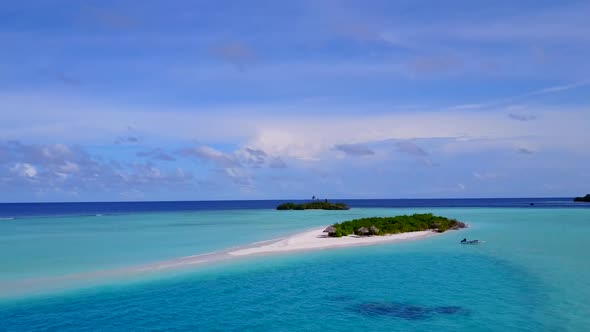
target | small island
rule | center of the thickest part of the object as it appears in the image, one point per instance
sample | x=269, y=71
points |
x=583, y=199
x=315, y=205
x=394, y=225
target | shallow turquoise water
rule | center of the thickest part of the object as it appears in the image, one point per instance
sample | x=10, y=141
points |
x=532, y=274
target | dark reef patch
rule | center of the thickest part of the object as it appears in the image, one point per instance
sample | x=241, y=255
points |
x=406, y=311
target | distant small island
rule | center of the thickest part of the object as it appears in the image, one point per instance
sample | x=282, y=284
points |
x=315, y=205
x=582, y=199
x=394, y=225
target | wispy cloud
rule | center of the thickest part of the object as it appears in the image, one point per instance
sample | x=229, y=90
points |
x=520, y=97
x=209, y=154
x=251, y=157
x=274, y=129
x=226, y=164
x=240, y=177
x=354, y=149
x=238, y=166
x=410, y=148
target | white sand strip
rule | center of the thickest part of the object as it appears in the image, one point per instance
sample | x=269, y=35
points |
x=315, y=239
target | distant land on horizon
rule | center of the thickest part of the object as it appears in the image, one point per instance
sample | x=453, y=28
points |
x=17, y=210
x=294, y=200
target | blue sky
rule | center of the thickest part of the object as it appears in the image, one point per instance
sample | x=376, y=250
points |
x=195, y=100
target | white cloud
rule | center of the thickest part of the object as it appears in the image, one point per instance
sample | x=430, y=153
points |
x=55, y=151
x=69, y=167
x=207, y=153
x=24, y=170
x=300, y=131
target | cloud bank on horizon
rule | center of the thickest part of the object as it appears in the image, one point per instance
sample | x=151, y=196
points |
x=184, y=100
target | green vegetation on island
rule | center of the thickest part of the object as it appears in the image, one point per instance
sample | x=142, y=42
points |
x=315, y=205
x=582, y=199
x=394, y=225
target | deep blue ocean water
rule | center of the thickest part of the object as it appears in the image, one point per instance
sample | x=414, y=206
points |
x=532, y=274
x=15, y=210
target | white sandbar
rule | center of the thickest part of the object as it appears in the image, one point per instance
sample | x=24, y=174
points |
x=315, y=239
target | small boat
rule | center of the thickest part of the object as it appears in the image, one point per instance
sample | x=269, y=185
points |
x=465, y=241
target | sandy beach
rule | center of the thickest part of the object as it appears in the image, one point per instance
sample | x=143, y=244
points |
x=313, y=239
x=316, y=239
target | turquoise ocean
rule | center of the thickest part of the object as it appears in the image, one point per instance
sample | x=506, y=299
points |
x=531, y=274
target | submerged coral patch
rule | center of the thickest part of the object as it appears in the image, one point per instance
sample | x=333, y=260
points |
x=405, y=311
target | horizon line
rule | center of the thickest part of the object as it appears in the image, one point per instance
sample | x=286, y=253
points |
x=286, y=199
